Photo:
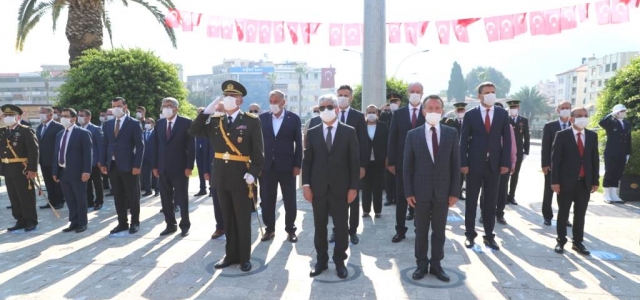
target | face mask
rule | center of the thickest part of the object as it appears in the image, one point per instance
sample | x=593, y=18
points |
x=55, y=116
x=415, y=98
x=315, y=114
x=229, y=103
x=565, y=113
x=147, y=126
x=167, y=112
x=117, y=111
x=81, y=120
x=343, y=102
x=275, y=108
x=138, y=115
x=460, y=115
x=111, y=117
x=43, y=118
x=513, y=112
x=103, y=119
x=328, y=115
x=581, y=122
x=393, y=106
x=432, y=118
x=66, y=122
x=9, y=120
x=621, y=115
x=490, y=99
x=372, y=117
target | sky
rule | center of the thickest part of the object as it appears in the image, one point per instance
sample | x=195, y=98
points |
x=525, y=60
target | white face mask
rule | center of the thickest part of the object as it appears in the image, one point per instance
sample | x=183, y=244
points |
x=275, y=108
x=489, y=99
x=110, y=117
x=621, y=115
x=147, y=126
x=432, y=118
x=328, y=115
x=393, y=106
x=372, y=117
x=460, y=115
x=138, y=115
x=315, y=114
x=565, y=113
x=167, y=112
x=9, y=120
x=343, y=102
x=415, y=98
x=103, y=119
x=229, y=103
x=82, y=120
x=117, y=111
x=513, y=112
x=55, y=116
x=43, y=118
x=581, y=122
x=66, y=122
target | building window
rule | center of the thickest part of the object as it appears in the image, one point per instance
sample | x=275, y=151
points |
x=599, y=83
x=573, y=101
x=573, y=91
x=315, y=76
x=593, y=83
x=614, y=66
x=593, y=71
x=575, y=79
x=561, y=80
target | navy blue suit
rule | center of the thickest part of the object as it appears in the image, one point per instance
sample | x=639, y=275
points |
x=616, y=150
x=204, y=160
x=147, y=180
x=120, y=155
x=171, y=156
x=282, y=153
x=95, y=182
x=77, y=161
x=46, y=145
x=483, y=153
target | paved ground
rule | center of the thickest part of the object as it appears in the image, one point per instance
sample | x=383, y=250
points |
x=49, y=264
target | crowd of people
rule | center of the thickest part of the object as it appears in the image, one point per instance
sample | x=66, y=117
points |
x=425, y=163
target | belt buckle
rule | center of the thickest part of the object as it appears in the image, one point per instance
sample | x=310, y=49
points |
x=226, y=156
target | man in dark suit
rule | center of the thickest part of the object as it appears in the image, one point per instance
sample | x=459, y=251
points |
x=548, y=135
x=47, y=132
x=104, y=117
x=373, y=181
x=403, y=120
x=147, y=180
x=330, y=180
x=121, y=158
x=460, y=111
x=485, y=154
x=393, y=103
x=616, y=152
x=431, y=169
x=56, y=113
x=521, y=130
x=237, y=139
x=95, y=182
x=172, y=162
x=282, y=133
x=204, y=159
x=73, y=161
x=575, y=165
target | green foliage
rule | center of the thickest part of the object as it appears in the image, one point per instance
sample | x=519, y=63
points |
x=457, y=87
x=622, y=88
x=633, y=166
x=140, y=77
x=481, y=74
x=394, y=85
x=532, y=104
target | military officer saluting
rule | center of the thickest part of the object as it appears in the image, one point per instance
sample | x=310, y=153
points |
x=19, y=165
x=236, y=137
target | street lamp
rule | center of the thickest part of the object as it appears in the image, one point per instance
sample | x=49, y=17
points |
x=412, y=54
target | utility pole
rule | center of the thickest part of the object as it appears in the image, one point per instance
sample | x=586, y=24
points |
x=374, y=58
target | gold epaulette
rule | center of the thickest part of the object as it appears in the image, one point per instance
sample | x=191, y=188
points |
x=251, y=115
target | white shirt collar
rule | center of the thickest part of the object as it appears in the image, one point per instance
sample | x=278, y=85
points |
x=575, y=132
x=427, y=128
x=121, y=118
x=233, y=115
x=47, y=123
x=335, y=125
x=484, y=109
x=281, y=115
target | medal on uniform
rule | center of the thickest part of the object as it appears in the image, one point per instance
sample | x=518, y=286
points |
x=15, y=144
x=239, y=139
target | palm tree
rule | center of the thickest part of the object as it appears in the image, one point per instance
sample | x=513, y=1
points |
x=46, y=75
x=85, y=22
x=301, y=70
x=272, y=77
x=531, y=102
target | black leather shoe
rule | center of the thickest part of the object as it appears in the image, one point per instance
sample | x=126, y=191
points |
x=146, y=194
x=569, y=224
x=168, y=230
x=512, y=201
x=410, y=216
x=59, y=206
x=491, y=244
x=547, y=222
x=559, y=248
x=501, y=220
x=481, y=221
x=33, y=227
x=578, y=247
x=389, y=203
x=184, y=232
x=119, y=228
x=245, y=266
x=70, y=228
x=97, y=207
x=378, y=216
x=9, y=207
x=365, y=215
x=108, y=195
x=317, y=269
x=45, y=206
x=81, y=228
x=156, y=194
x=398, y=237
x=293, y=237
x=134, y=228
x=419, y=273
x=14, y=228
x=176, y=209
x=354, y=238
x=218, y=233
x=439, y=273
x=332, y=239
x=200, y=193
x=469, y=243
x=268, y=235
x=342, y=271
x=223, y=264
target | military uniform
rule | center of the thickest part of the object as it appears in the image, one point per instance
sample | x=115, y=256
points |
x=230, y=164
x=521, y=132
x=15, y=164
x=457, y=124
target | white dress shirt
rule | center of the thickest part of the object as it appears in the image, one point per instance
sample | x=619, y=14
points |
x=567, y=124
x=325, y=130
x=346, y=114
x=428, y=134
x=234, y=116
x=583, y=136
x=66, y=142
x=483, y=111
x=277, y=122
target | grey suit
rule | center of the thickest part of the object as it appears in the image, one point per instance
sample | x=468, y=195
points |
x=431, y=182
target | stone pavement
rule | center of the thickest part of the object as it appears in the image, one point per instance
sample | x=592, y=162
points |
x=49, y=264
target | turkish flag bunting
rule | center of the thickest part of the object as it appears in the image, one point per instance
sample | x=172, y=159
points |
x=552, y=24
x=619, y=11
x=328, y=78
x=278, y=32
x=519, y=24
x=444, y=31
x=583, y=11
x=187, y=20
x=172, y=19
x=265, y=32
x=603, y=12
x=568, y=18
x=460, y=31
x=293, y=31
x=411, y=32
x=251, y=30
x=335, y=34
x=227, y=28
x=506, y=27
x=537, y=22
x=394, y=32
x=466, y=22
x=353, y=35
x=491, y=27
x=307, y=30
x=214, y=28
x=240, y=25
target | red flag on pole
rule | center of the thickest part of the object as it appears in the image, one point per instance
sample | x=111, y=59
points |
x=265, y=32
x=293, y=31
x=394, y=32
x=278, y=32
x=335, y=34
x=328, y=78
x=353, y=35
x=172, y=19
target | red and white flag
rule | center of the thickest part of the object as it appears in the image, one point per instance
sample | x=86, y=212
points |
x=240, y=25
x=519, y=24
x=293, y=31
x=251, y=31
x=227, y=28
x=411, y=33
x=335, y=34
x=619, y=11
x=278, y=31
x=603, y=12
x=537, y=23
x=394, y=32
x=460, y=29
x=265, y=32
x=552, y=18
x=172, y=19
x=583, y=11
x=309, y=29
x=214, y=27
x=491, y=26
x=568, y=18
x=506, y=27
x=328, y=78
x=188, y=19
x=353, y=34
x=444, y=31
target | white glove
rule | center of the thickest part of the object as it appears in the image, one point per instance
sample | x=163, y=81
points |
x=212, y=107
x=249, y=178
x=628, y=158
x=524, y=156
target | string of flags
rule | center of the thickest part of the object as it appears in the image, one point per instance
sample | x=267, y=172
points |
x=497, y=28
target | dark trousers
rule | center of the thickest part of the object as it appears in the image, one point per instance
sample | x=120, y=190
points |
x=202, y=169
x=54, y=192
x=354, y=214
x=175, y=192
x=430, y=213
x=323, y=205
x=105, y=182
x=513, y=183
x=489, y=182
x=75, y=194
x=236, y=212
x=23, y=200
x=613, y=168
x=269, y=195
x=390, y=186
x=547, y=211
x=401, y=203
x=146, y=176
x=580, y=197
x=95, y=183
x=126, y=194
x=372, y=184
x=217, y=210
x=501, y=203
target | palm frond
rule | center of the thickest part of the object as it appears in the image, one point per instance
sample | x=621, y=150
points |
x=107, y=24
x=167, y=4
x=125, y=3
x=160, y=17
x=57, y=6
x=28, y=16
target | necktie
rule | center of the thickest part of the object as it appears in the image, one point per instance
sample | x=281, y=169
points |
x=564, y=126
x=487, y=121
x=168, y=130
x=581, y=150
x=63, y=148
x=230, y=121
x=414, y=119
x=622, y=124
x=146, y=137
x=329, y=139
x=117, y=129
x=44, y=128
x=342, y=118
x=434, y=143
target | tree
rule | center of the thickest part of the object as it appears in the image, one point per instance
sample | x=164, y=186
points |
x=301, y=70
x=140, y=77
x=482, y=74
x=46, y=75
x=623, y=88
x=532, y=104
x=394, y=85
x=272, y=77
x=457, y=87
x=85, y=22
